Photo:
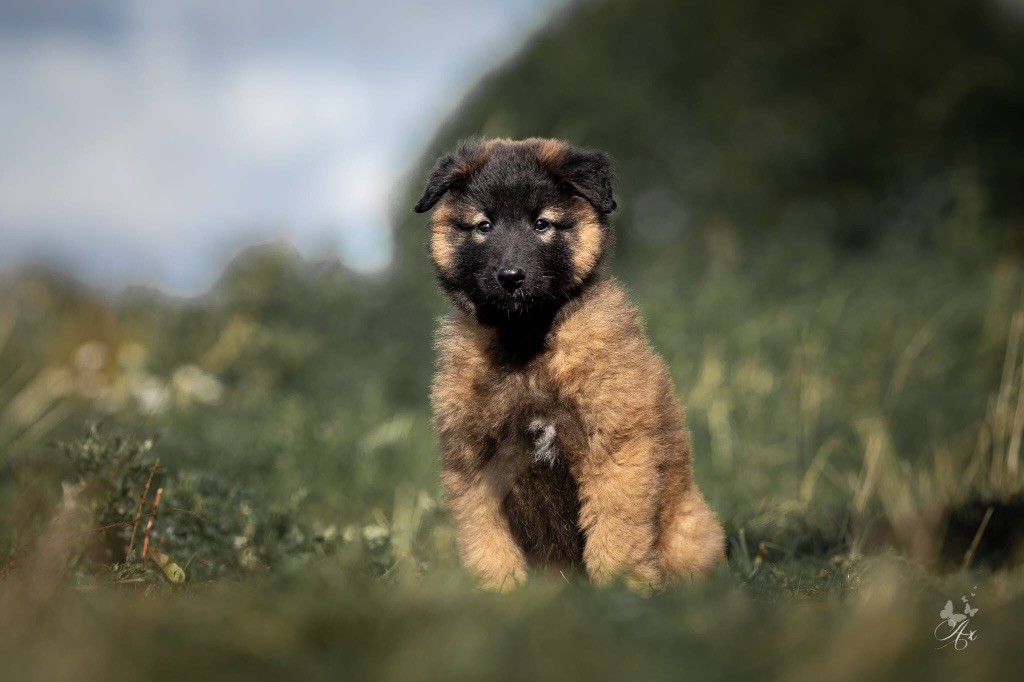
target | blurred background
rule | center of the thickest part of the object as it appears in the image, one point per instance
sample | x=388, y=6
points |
x=145, y=143
x=212, y=285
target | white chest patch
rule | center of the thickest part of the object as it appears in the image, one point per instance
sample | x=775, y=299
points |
x=543, y=434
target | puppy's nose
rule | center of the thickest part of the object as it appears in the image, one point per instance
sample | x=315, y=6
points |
x=510, y=278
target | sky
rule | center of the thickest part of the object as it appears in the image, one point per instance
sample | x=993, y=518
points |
x=148, y=142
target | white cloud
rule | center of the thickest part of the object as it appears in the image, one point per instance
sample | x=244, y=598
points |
x=147, y=144
x=277, y=110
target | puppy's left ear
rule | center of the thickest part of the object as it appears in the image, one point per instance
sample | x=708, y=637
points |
x=441, y=179
x=589, y=173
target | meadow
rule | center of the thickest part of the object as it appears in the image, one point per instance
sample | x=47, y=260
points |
x=862, y=449
x=820, y=223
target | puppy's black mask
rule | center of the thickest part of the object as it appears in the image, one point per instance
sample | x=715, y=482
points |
x=520, y=227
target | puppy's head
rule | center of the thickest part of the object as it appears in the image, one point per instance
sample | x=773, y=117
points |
x=520, y=226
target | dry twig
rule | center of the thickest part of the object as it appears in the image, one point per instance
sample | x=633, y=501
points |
x=152, y=519
x=138, y=512
x=969, y=555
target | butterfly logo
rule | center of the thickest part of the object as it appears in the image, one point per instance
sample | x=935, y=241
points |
x=950, y=617
x=952, y=629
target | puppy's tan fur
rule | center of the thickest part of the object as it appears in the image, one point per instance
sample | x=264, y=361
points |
x=623, y=448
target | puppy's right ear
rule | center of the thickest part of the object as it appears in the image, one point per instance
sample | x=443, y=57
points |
x=442, y=178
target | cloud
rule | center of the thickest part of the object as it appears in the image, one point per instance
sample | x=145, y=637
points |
x=149, y=140
x=277, y=110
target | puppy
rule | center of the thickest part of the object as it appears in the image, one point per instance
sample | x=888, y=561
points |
x=561, y=440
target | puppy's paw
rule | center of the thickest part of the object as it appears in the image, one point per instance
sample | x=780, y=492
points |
x=503, y=583
x=502, y=569
x=543, y=435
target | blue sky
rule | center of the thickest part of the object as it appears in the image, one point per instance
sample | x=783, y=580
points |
x=146, y=142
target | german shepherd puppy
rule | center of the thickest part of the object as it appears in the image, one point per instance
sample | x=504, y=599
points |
x=561, y=439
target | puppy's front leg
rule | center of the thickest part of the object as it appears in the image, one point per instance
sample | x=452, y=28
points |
x=485, y=542
x=619, y=497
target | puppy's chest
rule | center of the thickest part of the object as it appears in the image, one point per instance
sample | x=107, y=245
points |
x=538, y=428
x=520, y=399
x=516, y=406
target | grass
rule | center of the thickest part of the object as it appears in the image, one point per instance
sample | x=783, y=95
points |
x=857, y=420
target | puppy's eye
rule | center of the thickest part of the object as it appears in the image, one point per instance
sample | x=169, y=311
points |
x=540, y=225
x=484, y=226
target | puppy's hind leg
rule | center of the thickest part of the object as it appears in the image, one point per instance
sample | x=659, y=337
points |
x=692, y=542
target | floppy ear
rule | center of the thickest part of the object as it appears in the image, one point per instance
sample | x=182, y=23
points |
x=589, y=174
x=441, y=179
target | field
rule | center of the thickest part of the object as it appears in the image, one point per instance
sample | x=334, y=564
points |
x=857, y=424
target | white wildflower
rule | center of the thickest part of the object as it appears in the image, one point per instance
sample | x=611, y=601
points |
x=193, y=384
x=91, y=357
